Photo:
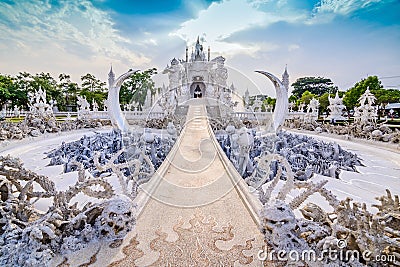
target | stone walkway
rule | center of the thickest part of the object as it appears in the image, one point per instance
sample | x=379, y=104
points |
x=192, y=213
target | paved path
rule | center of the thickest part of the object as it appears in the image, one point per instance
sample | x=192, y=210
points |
x=196, y=214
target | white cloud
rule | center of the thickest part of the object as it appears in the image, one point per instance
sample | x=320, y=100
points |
x=32, y=25
x=326, y=10
x=323, y=12
x=343, y=7
x=219, y=21
x=293, y=47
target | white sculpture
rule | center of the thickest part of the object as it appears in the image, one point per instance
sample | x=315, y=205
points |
x=171, y=130
x=105, y=105
x=219, y=76
x=175, y=73
x=256, y=107
x=38, y=105
x=83, y=104
x=83, y=107
x=301, y=107
x=350, y=223
x=282, y=100
x=135, y=106
x=312, y=111
x=245, y=142
x=246, y=99
x=168, y=102
x=117, y=118
x=68, y=117
x=17, y=112
x=53, y=105
x=147, y=101
x=116, y=219
x=95, y=106
x=366, y=113
x=291, y=105
x=336, y=108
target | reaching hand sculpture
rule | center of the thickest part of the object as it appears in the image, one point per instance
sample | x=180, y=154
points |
x=282, y=101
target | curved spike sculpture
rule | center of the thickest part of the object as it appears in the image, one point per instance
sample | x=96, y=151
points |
x=114, y=110
x=282, y=100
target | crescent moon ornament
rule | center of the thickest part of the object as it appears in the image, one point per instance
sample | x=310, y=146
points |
x=114, y=110
x=282, y=100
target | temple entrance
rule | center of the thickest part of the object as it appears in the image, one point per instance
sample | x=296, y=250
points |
x=197, y=90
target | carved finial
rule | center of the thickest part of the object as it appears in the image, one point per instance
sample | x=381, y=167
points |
x=111, y=77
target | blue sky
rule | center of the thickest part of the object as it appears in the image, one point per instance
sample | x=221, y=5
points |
x=344, y=40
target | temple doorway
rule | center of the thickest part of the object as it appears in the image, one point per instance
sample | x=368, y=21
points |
x=197, y=90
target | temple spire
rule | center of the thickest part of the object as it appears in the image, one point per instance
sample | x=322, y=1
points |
x=111, y=77
x=285, y=78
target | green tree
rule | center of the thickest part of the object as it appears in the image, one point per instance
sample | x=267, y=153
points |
x=91, y=83
x=7, y=89
x=315, y=85
x=23, y=85
x=306, y=98
x=136, y=86
x=292, y=99
x=353, y=94
x=46, y=82
x=269, y=101
x=324, y=102
x=69, y=90
x=385, y=96
x=93, y=89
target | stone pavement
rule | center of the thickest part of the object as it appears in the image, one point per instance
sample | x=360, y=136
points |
x=194, y=212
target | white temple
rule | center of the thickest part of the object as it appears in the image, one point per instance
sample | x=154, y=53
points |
x=198, y=76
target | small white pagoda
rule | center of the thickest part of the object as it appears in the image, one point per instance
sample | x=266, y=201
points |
x=366, y=113
x=336, y=108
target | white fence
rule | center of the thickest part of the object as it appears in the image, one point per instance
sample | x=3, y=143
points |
x=144, y=115
x=103, y=115
x=296, y=116
x=129, y=115
x=13, y=114
x=258, y=116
